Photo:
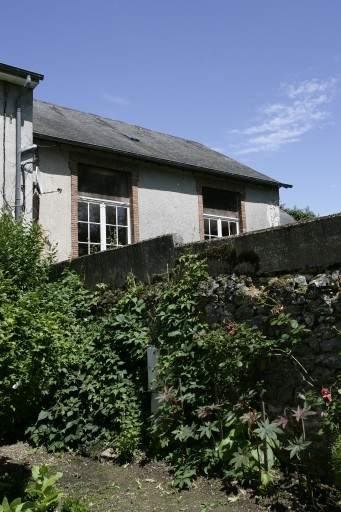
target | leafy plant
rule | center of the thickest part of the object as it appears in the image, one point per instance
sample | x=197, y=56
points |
x=41, y=494
x=336, y=460
x=183, y=477
x=74, y=505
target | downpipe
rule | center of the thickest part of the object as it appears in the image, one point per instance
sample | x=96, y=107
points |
x=18, y=150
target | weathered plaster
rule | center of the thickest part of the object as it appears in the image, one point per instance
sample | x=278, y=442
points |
x=261, y=207
x=55, y=207
x=168, y=203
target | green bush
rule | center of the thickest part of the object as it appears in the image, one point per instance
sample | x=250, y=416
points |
x=336, y=460
x=40, y=495
x=100, y=382
x=24, y=255
x=74, y=505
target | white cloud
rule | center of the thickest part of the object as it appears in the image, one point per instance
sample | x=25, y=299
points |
x=118, y=100
x=304, y=106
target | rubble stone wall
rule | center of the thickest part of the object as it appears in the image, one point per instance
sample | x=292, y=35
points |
x=314, y=300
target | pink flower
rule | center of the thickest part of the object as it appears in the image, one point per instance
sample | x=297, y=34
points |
x=326, y=394
x=282, y=421
x=251, y=417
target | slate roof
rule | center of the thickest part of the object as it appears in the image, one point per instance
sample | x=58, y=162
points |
x=285, y=218
x=62, y=124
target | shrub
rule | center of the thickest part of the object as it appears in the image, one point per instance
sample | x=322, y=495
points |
x=74, y=505
x=336, y=460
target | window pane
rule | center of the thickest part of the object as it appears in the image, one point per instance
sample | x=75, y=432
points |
x=101, y=225
x=111, y=238
x=95, y=248
x=82, y=232
x=83, y=211
x=82, y=249
x=233, y=228
x=95, y=233
x=94, y=212
x=207, y=227
x=122, y=236
x=122, y=216
x=110, y=212
x=214, y=227
x=225, y=228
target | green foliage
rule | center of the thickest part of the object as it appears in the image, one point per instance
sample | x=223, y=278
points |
x=300, y=214
x=41, y=494
x=74, y=505
x=201, y=365
x=100, y=399
x=24, y=258
x=71, y=367
x=42, y=331
x=336, y=460
x=73, y=371
x=183, y=477
x=296, y=446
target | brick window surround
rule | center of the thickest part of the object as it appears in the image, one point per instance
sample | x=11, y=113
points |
x=230, y=186
x=106, y=163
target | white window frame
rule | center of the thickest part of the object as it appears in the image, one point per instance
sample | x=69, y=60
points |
x=103, y=203
x=219, y=219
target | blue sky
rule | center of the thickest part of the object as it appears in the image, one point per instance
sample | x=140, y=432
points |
x=259, y=80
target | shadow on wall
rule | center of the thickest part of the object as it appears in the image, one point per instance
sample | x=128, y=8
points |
x=302, y=246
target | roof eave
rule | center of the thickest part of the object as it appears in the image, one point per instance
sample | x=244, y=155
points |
x=162, y=161
x=18, y=76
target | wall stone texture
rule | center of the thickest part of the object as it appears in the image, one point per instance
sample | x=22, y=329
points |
x=314, y=300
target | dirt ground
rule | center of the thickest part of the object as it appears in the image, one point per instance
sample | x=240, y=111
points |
x=145, y=486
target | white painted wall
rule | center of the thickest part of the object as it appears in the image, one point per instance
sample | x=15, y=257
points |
x=55, y=208
x=261, y=207
x=168, y=203
x=8, y=111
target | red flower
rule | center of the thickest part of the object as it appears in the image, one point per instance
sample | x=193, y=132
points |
x=326, y=394
x=231, y=329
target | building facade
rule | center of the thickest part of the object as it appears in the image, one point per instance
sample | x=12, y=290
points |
x=95, y=183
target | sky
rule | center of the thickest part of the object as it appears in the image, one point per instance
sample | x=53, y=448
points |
x=258, y=80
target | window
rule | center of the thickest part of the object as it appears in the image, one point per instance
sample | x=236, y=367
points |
x=103, y=210
x=216, y=227
x=221, y=213
x=101, y=225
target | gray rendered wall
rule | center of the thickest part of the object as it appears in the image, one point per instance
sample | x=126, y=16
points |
x=303, y=246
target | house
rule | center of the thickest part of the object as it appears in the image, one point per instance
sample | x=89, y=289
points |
x=95, y=183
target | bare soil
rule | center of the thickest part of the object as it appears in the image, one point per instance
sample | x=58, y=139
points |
x=146, y=486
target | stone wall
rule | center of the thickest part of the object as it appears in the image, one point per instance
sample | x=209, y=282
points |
x=314, y=300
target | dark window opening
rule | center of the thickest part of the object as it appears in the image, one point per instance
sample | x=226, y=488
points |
x=220, y=202
x=103, y=183
x=103, y=209
x=221, y=213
